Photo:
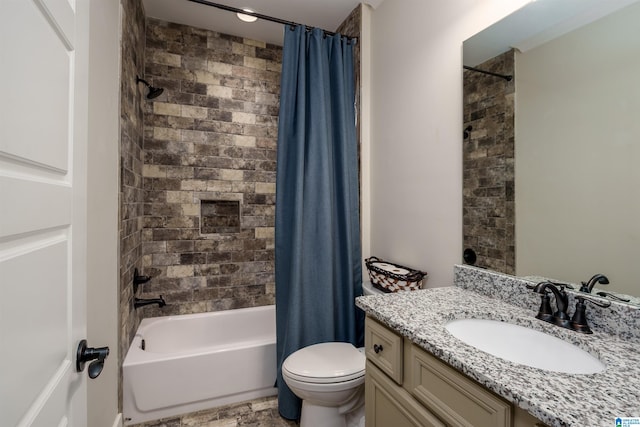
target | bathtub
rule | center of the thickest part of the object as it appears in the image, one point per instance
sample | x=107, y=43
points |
x=181, y=364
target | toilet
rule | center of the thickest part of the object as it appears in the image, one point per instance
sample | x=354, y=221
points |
x=329, y=378
x=369, y=289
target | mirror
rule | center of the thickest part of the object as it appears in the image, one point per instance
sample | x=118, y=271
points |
x=552, y=159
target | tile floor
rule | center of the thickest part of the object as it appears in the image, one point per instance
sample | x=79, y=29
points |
x=255, y=413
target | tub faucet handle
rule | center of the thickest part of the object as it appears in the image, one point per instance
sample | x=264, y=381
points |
x=138, y=280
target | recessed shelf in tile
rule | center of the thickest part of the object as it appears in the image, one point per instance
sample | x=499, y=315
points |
x=219, y=216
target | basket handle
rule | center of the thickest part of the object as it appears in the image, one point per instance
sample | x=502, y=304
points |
x=416, y=276
x=372, y=259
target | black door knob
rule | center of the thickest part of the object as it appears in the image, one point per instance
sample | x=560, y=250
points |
x=85, y=354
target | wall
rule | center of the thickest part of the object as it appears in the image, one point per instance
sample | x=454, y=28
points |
x=577, y=175
x=351, y=27
x=131, y=194
x=416, y=129
x=488, y=165
x=211, y=136
x=102, y=206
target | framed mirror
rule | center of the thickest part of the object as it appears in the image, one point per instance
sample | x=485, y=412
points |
x=552, y=156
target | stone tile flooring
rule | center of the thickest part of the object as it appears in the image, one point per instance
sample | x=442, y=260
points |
x=255, y=413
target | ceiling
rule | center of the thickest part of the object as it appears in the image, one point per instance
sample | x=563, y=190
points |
x=325, y=14
x=534, y=24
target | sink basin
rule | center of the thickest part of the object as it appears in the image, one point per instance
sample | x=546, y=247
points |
x=525, y=346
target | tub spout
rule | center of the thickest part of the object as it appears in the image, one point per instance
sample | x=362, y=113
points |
x=141, y=302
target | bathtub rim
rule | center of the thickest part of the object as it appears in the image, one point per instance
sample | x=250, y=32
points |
x=136, y=356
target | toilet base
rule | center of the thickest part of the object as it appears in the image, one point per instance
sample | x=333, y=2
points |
x=328, y=416
x=356, y=418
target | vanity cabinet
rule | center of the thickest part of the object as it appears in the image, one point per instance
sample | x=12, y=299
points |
x=407, y=386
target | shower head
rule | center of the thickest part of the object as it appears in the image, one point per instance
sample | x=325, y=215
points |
x=153, y=92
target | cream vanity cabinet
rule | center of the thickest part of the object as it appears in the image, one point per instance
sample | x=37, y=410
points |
x=407, y=386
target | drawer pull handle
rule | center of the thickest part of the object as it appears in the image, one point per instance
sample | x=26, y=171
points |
x=377, y=348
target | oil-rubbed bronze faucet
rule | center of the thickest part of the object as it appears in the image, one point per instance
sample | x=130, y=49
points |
x=560, y=317
x=597, y=278
x=139, y=302
x=579, y=319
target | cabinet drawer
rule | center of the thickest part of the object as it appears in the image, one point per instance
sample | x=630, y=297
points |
x=384, y=348
x=451, y=396
x=387, y=404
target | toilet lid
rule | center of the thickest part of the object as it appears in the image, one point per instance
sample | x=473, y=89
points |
x=325, y=363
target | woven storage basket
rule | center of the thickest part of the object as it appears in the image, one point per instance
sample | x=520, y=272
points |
x=390, y=277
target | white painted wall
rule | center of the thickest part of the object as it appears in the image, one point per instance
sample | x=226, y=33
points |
x=415, y=139
x=102, y=207
x=577, y=204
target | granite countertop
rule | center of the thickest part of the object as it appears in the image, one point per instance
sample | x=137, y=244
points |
x=558, y=399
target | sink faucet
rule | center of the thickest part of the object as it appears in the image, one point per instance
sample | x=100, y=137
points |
x=140, y=302
x=560, y=317
x=597, y=278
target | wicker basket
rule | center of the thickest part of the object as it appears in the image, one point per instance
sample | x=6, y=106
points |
x=389, y=277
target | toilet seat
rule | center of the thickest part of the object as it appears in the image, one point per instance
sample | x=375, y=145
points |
x=325, y=363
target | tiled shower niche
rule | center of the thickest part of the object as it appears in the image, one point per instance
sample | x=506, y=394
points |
x=219, y=216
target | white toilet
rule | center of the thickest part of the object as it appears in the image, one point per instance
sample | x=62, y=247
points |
x=329, y=378
x=369, y=289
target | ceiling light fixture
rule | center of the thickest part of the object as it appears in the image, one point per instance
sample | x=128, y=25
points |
x=247, y=18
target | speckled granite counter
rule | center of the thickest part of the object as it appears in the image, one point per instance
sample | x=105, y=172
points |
x=558, y=399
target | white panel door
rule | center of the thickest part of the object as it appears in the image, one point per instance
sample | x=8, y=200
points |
x=42, y=211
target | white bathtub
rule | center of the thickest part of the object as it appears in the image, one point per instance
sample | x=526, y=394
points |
x=199, y=361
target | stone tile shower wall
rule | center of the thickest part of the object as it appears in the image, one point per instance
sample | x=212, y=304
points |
x=131, y=160
x=351, y=27
x=209, y=149
x=488, y=183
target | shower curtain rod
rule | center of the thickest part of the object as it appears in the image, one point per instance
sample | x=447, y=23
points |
x=502, y=76
x=265, y=17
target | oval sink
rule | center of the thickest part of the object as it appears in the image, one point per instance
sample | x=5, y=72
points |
x=525, y=346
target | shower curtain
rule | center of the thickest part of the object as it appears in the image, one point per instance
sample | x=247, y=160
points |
x=317, y=237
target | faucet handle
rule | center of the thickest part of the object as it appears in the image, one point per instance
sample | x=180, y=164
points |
x=612, y=296
x=603, y=304
x=579, y=319
x=564, y=286
x=545, y=312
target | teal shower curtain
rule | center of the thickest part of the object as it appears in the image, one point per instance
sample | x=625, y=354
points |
x=317, y=238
